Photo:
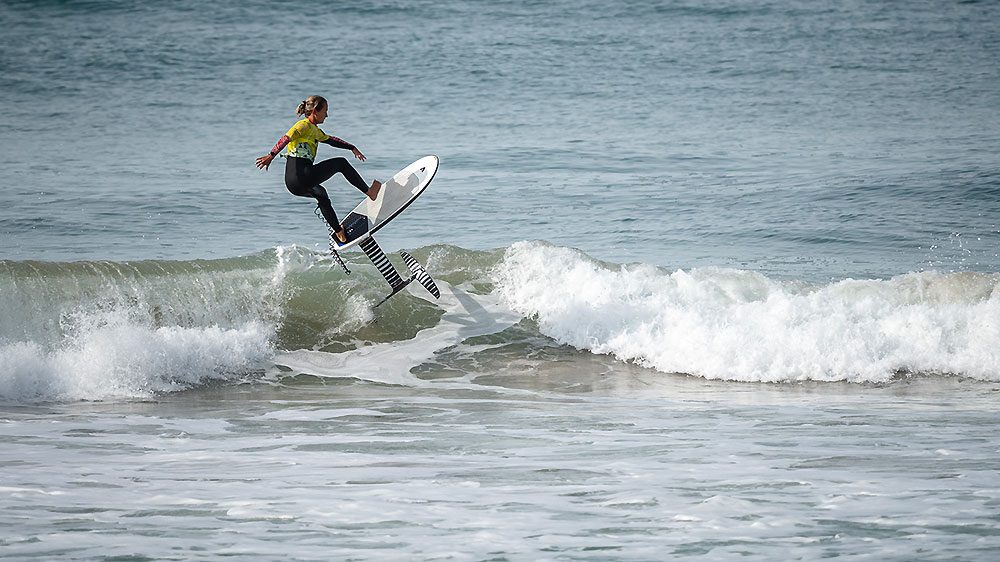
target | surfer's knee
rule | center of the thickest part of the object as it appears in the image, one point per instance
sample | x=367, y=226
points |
x=319, y=192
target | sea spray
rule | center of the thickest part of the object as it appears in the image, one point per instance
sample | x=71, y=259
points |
x=740, y=325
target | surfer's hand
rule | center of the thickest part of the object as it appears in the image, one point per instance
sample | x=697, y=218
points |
x=264, y=161
x=357, y=154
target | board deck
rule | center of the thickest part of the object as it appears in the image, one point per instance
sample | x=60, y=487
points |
x=396, y=194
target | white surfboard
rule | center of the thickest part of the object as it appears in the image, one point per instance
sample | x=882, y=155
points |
x=396, y=194
x=368, y=217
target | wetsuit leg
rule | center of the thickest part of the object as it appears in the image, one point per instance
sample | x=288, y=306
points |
x=323, y=200
x=303, y=178
x=327, y=168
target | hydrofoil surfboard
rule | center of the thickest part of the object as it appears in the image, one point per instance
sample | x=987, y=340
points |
x=370, y=216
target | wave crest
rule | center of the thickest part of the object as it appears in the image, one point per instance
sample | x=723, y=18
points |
x=742, y=326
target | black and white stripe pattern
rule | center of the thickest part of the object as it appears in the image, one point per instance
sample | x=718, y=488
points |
x=421, y=274
x=374, y=253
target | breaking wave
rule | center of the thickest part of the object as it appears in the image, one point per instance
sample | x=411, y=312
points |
x=106, y=330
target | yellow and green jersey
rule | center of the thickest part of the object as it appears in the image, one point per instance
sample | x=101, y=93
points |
x=304, y=138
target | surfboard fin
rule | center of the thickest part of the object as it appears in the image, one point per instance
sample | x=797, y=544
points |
x=388, y=271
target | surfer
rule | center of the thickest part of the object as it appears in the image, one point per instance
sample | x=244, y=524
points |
x=302, y=176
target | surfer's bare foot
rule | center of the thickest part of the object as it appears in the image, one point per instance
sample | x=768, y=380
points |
x=341, y=236
x=374, y=189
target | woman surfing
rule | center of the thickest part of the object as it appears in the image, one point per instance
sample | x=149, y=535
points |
x=302, y=176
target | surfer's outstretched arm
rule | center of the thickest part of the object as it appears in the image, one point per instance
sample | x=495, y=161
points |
x=264, y=161
x=341, y=143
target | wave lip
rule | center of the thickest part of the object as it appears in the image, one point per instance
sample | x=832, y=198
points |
x=742, y=326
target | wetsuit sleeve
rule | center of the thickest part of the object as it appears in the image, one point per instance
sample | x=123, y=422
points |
x=338, y=143
x=279, y=145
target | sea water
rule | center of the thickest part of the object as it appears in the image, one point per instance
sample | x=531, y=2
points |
x=719, y=280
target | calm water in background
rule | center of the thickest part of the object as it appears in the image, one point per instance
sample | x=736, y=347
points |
x=644, y=212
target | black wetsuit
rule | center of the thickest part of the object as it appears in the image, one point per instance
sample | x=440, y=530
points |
x=303, y=178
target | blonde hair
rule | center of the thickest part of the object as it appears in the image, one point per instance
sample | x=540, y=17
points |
x=310, y=104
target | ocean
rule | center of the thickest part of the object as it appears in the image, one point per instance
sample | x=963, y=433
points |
x=720, y=280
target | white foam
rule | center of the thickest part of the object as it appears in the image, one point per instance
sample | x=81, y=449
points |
x=105, y=331
x=740, y=325
x=465, y=316
x=130, y=361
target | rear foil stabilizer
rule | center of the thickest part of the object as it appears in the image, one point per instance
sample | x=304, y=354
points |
x=420, y=274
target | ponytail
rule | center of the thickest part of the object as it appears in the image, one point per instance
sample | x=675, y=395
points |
x=310, y=104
